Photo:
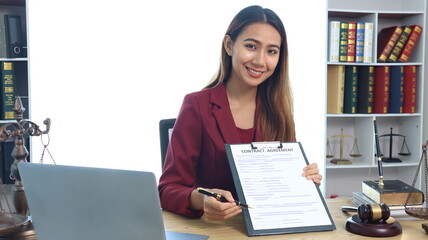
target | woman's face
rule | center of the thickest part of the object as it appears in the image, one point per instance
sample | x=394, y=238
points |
x=255, y=54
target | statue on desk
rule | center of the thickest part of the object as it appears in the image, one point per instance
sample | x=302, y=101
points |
x=15, y=225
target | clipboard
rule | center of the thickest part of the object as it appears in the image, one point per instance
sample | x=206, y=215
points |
x=267, y=177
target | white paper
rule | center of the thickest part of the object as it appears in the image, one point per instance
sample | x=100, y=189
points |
x=272, y=184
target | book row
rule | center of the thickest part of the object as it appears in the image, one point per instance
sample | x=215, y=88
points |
x=396, y=43
x=353, y=42
x=371, y=89
x=11, y=37
x=350, y=42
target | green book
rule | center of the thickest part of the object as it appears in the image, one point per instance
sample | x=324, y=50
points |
x=7, y=90
x=350, y=92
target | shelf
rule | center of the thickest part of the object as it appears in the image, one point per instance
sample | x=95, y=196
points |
x=360, y=165
x=356, y=115
x=14, y=59
x=376, y=64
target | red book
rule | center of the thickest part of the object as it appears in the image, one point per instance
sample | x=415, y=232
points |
x=387, y=39
x=352, y=38
x=409, y=98
x=410, y=44
x=381, y=89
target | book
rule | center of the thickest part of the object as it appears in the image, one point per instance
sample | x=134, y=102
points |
x=396, y=89
x=410, y=44
x=365, y=89
x=359, y=43
x=335, y=88
x=396, y=51
x=7, y=90
x=359, y=198
x=386, y=41
x=352, y=38
x=343, y=44
x=350, y=89
x=381, y=89
x=14, y=38
x=368, y=42
x=394, y=192
x=3, y=44
x=334, y=36
x=409, y=89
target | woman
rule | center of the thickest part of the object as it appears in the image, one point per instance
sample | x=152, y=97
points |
x=248, y=100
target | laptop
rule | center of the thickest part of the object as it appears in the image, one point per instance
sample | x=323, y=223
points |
x=70, y=202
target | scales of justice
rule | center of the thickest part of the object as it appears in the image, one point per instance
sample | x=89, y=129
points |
x=355, y=152
x=17, y=224
x=404, y=151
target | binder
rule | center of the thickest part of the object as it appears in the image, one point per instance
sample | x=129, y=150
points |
x=14, y=39
x=267, y=176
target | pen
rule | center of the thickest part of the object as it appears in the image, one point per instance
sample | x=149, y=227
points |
x=378, y=155
x=219, y=197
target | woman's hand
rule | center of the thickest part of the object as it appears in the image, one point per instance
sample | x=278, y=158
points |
x=215, y=210
x=311, y=172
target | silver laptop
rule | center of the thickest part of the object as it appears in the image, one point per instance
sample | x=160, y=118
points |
x=69, y=203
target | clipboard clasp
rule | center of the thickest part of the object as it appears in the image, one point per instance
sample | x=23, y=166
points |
x=273, y=144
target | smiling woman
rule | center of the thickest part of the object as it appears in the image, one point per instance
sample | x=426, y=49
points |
x=106, y=72
x=249, y=100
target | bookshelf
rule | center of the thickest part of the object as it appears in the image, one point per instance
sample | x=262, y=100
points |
x=22, y=79
x=342, y=180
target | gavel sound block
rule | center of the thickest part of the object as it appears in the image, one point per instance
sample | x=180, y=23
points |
x=372, y=220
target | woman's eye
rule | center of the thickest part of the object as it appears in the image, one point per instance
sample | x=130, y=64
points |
x=273, y=51
x=250, y=46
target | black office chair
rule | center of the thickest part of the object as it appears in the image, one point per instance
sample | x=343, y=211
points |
x=165, y=129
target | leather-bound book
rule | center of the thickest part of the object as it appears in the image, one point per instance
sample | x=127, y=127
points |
x=381, y=89
x=386, y=41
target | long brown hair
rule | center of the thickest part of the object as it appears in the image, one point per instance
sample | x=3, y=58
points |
x=275, y=118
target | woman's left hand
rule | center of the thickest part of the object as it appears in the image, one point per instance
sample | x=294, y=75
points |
x=311, y=172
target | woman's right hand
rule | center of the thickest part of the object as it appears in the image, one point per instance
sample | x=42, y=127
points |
x=215, y=210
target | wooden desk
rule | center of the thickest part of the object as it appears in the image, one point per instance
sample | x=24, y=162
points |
x=234, y=229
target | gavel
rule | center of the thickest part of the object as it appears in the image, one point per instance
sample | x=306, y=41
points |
x=370, y=212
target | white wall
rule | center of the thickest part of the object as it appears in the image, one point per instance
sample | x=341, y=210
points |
x=106, y=72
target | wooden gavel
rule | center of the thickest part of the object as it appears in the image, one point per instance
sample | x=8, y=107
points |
x=370, y=212
x=373, y=212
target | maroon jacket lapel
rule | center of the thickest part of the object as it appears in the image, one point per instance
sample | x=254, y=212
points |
x=223, y=115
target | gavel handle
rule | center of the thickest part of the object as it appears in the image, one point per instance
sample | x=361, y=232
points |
x=349, y=209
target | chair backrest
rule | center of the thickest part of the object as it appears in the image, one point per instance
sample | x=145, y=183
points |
x=165, y=129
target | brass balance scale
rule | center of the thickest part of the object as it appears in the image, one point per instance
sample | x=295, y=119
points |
x=355, y=152
x=15, y=222
x=420, y=212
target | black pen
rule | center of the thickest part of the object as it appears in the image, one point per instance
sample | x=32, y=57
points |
x=219, y=197
x=378, y=155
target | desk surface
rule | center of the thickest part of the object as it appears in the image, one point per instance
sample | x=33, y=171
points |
x=235, y=228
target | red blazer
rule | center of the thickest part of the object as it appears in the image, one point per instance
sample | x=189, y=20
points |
x=196, y=155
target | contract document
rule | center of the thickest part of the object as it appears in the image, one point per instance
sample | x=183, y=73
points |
x=268, y=178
